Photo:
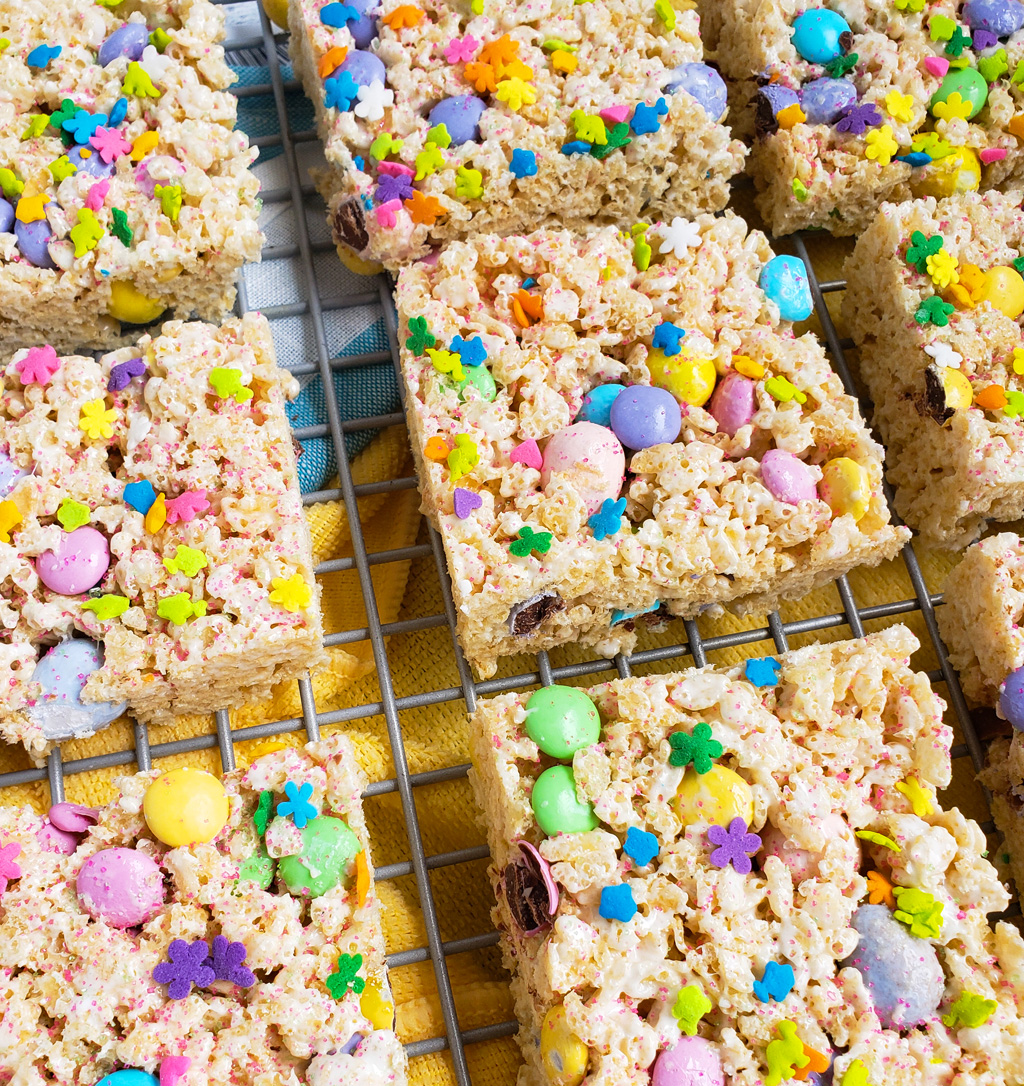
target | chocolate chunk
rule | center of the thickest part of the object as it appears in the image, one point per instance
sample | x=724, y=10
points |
x=349, y=225
x=297, y=446
x=846, y=40
x=526, y=894
x=989, y=725
x=525, y=617
x=765, y=123
x=934, y=403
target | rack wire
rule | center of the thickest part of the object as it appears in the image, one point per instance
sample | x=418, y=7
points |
x=299, y=196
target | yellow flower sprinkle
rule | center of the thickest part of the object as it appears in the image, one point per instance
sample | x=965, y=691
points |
x=291, y=593
x=96, y=419
x=881, y=145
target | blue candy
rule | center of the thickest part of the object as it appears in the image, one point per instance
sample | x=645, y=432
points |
x=340, y=91
x=784, y=281
x=915, y=159
x=617, y=903
x=1011, y=698
x=825, y=99
x=524, y=163
x=6, y=215
x=644, y=415
x=92, y=164
x=625, y=616
x=576, y=147
x=640, y=846
x=461, y=116
x=365, y=68
x=32, y=238
x=42, y=55
x=817, y=34
x=118, y=113
x=127, y=41
x=597, y=404
x=472, y=351
x=128, y=1077
x=902, y=974
x=62, y=673
x=702, y=82
x=1001, y=17
x=140, y=496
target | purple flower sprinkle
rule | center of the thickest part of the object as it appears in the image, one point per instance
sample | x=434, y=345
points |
x=226, y=962
x=857, y=118
x=734, y=845
x=121, y=375
x=187, y=966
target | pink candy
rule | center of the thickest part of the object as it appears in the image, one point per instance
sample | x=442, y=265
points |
x=937, y=66
x=691, y=1061
x=590, y=457
x=76, y=564
x=528, y=453
x=122, y=886
x=733, y=404
x=65, y=823
x=787, y=477
x=992, y=154
x=614, y=114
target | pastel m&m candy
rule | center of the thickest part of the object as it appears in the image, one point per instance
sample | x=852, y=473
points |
x=969, y=83
x=556, y=805
x=690, y=378
x=714, y=798
x=820, y=35
x=1003, y=289
x=33, y=239
x=185, y=807
x=784, y=281
x=825, y=99
x=563, y=1055
x=461, y=117
x=1011, y=698
x=597, y=404
x=562, y=720
x=62, y=673
x=76, y=564
x=590, y=457
x=733, y=403
x=702, y=83
x=131, y=306
x=122, y=886
x=643, y=416
x=128, y=41
x=328, y=848
x=691, y=1061
x=787, y=477
x=846, y=487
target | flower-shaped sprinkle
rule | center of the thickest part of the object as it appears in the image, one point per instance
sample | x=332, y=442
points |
x=920, y=248
x=955, y=106
x=187, y=966
x=944, y=356
x=735, y=845
x=297, y=804
x=699, y=747
x=941, y=266
x=608, y=519
x=346, y=976
x=96, y=419
x=407, y=15
x=292, y=593
x=226, y=962
x=9, y=870
x=261, y=816
x=420, y=337
x=880, y=890
x=72, y=514
x=918, y=796
x=461, y=50
x=858, y=118
x=919, y=910
x=373, y=100
x=515, y=93
x=529, y=541
x=38, y=365
x=933, y=310
x=900, y=106
x=679, y=238
x=640, y=846
x=617, y=903
x=109, y=144
x=690, y=1007
x=881, y=146
x=340, y=91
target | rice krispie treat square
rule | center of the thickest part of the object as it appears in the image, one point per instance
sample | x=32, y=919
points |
x=934, y=303
x=151, y=532
x=125, y=193
x=612, y=430
x=444, y=119
x=205, y=931
x=744, y=873
x=853, y=102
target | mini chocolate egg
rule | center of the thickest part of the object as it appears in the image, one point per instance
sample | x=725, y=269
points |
x=733, y=404
x=784, y=282
x=597, y=404
x=128, y=41
x=562, y=720
x=129, y=1077
x=328, y=848
x=185, y=807
x=556, y=805
x=846, y=487
x=563, y=1055
x=461, y=117
x=78, y=562
x=999, y=17
x=819, y=35
x=33, y=239
x=86, y=160
x=787, y=477
x=6, y=216
x=131, y=306
x=62, y=673
x=590, y=457
x=954, y=173
x=363, y=29
x=531, y=892
x=702, y=83
x=969, y=83
x=690, y=378
x=643, y=416
x=364, y=67
x=1003, y=289
x=714, y=798
x=691, y=1061
x=824, y=100
x=122, y=886
x=1011, y=698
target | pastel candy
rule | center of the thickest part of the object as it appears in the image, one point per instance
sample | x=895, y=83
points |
x=88, y=161
x=958, y=172
x=825, y=99
x=76, y=564
x=562, y=720
x=902, y=974
x=714, y=798
x=556, y=806
x=185, y=807
x=643, y=416
x=969, y=83
x=733, y=403
x=803, y=863
x=127, y=41
x=52, y=839
x=1003, y=289
x=477, y=384
x=701, y=82
x=818, y=35
x=129, y=1077
x=563, y=1055
x=62, y=672
x=1001, y=17
x=328, y=847
x=777, y=97
x=461, y=117
x=32, y=239
x=73, y=817
x=690, y=378
x=846, y=485
x=590, y=457
x=10, y=473
x=787, y=477
x=364, y=67
x=1011, y=698
x=122, y=886
x=784, y=281
x=691, y=1061
x=6, y=215
x=363, y=29
x=597, y=404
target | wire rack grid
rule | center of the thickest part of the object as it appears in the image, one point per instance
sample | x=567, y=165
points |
x=299, y=195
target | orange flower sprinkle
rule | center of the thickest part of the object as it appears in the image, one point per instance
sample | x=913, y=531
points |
x=406, y=15
x=992, y=398
x=527, y=307
x=880, y=890
x=331, y=59
x=425, y=209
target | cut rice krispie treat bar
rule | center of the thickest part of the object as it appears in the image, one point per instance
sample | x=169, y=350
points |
x=204, y=931
x=732, y=469
x=445, y=119
x=151, y=531
x=125, y=194
x=858, y=101
x=934, y=303
x=744, y=872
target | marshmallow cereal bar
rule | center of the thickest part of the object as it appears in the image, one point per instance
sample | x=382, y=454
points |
x=934, y=303
x=125, y=193
x=742, y=875
x=154, y=555
x=446, y=118
x=854, y=102
x=199, y=930
x=612, y=429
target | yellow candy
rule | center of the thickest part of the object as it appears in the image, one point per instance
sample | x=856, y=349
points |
x=746, y=366
x=958, y=172
x=957, y=388
x=846, y=486
x=375, y=1005
x=1003, y=289
x=185, y=807
x=563, y=1055
x=714, y=798
x=688, y=377
x=131, y=306
x=355, y=263
x=277, y=11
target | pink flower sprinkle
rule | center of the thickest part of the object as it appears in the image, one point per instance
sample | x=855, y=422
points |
x=461, y=49
x=186, y=506
x=97, y=194
x=992, y=154
x=38, y=365
x=109, y=143
x=386, y=214
x=937, y=66
x=8, y=868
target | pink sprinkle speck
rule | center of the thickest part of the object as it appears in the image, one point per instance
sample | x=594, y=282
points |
x=937, y=66
x=992, y=154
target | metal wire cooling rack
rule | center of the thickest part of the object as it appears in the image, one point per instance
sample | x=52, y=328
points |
x=315, y=310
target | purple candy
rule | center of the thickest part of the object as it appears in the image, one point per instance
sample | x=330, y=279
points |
x=6, y=215
x=824, y=99
x=91, y=163
x=352, y=1044
x=702, y=82
x=644, y=415
x=1001, y=17
x=733, y=403
x=787, y=477
x=32, y=240
x=10, y=473
x=1011, y=698
x=365, y=68
x=460, y=116
x=122, y=886
x=76, y=564
x=778, y=97
x=691, y=1061
x=363, y=29
x=127, y=41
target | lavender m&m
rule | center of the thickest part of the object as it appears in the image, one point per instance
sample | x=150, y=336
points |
x=88, y=161
x=363, y=29
x=461, y=117
x=127, y=41
x=76, y=564
x=691, y=1061
x=122, y=886
x=825, y=99
x=643, y=416
x=733, y=402
x=787, y=477
x=999, y=17
x=59, y=711
x=6, y=215
x=10, y=473
x=784, y=281
x=32, y=239
x=364, y=67
x=1011, y=698
x=590, y=457
x=701, y=82
x=597, y=404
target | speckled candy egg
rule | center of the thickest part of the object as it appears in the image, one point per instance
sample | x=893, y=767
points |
x=803, y=863
x=363, y=29
x=958, y=172
x=33, y=239
x=185, y=807
x=825, y=99
x=691, y=1061
x=76, y=564
x=328, y=849
x=127, y=41
x=562, y=720
x=734, y=403
x=818, y=35
x=6, y=216
x=1011, y=698
x=784, y=282
x=787, y=477
x=702, y=82
x=1000, y=17
x=773, y=98
x=461, y=117
x=713, y=798
x=1003, y=289
x=597, y=404
x=969, y=83
x=643, y=416
x=364, y=67
x=688, y=376
x=122, y=886
x=10, y=473
x=563, y=1055
x=902, y=974
x=590, y=457
x=62, y=673
x=87, y=161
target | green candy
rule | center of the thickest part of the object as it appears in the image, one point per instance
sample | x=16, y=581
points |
x=968, y=83
x=562, y=720
x=555, y=805
x=259, y=868
x=328, y=847
x=478, y=377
